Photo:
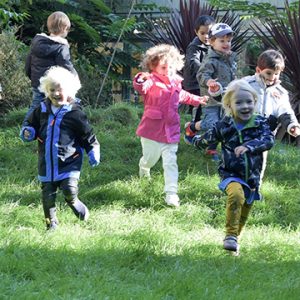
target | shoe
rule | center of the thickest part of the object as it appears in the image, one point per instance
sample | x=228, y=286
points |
x=173, y=200
x=230, y=243
x=188, y=134
x=51, y=224
x=213, y=154
x=84, y=217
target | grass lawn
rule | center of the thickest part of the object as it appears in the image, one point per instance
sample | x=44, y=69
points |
x=134, y=246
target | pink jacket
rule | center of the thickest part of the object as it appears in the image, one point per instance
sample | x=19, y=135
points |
x=160, y=121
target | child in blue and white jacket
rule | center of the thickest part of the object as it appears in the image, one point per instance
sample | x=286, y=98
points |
x=63, y=132
x=244, y=136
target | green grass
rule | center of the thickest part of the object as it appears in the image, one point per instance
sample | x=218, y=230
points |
x=134, y=246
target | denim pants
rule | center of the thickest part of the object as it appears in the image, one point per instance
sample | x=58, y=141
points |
x=69, y=188
x=237, y=209
x=37, y=98
x=152, y=151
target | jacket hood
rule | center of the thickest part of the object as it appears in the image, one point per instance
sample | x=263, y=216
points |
x=44, y=45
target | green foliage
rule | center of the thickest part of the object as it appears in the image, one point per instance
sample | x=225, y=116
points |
x=15, y=85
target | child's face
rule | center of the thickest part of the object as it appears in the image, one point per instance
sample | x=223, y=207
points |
x=269, y=76
x=222, y=44
x=162, y=68
x=242, y=106
x=202, y=33
x=57, y=94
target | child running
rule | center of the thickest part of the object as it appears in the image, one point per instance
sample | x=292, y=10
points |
x=244, y=136
x=62, y=131
x=159, y=128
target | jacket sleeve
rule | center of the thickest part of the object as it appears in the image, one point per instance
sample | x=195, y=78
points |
x=188, y=98
x=205, y=72
x=28, y=66
x=193, y=58
x=262, y=143
x=63, y=59
x=211, y=136
x=142, y=87
x=85, y=134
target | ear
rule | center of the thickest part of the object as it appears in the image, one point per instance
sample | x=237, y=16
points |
x=196, y=31
x=257, y=70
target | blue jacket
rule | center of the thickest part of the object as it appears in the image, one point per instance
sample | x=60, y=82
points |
x=62, y=137
x=256, y=135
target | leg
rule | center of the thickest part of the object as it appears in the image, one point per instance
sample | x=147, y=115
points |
x=37, y=98
x=264, y=165
x=235, y=202
x=151, y=154
x=69, y=187
x=244, y=216
x=49, y=190
x=170, y=167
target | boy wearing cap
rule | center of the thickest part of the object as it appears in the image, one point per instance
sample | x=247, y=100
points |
x=217, y=70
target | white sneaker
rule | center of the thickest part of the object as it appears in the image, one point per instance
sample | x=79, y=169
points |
x=173, y=200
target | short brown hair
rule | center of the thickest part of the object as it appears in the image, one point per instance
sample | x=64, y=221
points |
x=270, y=59
x=57, y=22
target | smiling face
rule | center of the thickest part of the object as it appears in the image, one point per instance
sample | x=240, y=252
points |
x=162, y=68
x=242, y=106
x=57, y=94
x=269, y=76
x=202, y=33
x=222, y=44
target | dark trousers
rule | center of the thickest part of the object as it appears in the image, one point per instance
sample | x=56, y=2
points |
x=69, y=188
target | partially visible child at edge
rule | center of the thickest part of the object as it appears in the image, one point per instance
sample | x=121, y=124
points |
x=194, y=55
x=159, y=128
x=62, y=131
x=217, y=70
x=244, y=136
x=47, y=51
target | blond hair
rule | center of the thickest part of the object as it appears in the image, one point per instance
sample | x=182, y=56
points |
x=163, y=52
x=69, y=82
x=234, y=87
x=57, y=22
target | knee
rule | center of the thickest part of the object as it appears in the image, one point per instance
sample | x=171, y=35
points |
x=235, y=193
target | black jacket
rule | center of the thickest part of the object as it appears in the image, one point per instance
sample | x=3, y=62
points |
x=45, y=52
x=194, y=55
x=62, y=137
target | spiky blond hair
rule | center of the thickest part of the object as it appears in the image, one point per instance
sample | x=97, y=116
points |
x=68, y=81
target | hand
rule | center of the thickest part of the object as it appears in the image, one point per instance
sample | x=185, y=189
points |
x=143, y=76
x=295, y=131
x=94, y=158
x=27, y=133
x=213, y=85
x=203, y=100
x=240, y=150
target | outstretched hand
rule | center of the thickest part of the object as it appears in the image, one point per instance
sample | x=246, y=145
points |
x=203, y=100
x=213, y=85
x=143, y=76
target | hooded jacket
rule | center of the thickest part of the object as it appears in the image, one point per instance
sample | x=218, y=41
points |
x=256, y=135
x=160, y=121
x=45, y=52
x=62, y=137
x=194, y=55
x=220, y=66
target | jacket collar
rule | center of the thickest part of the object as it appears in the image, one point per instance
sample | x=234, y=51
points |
x=57, y=39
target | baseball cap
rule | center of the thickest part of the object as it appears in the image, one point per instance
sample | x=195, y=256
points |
x=219, y=30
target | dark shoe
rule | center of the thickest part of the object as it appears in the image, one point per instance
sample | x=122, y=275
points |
x=230, y=243
x=188, y=133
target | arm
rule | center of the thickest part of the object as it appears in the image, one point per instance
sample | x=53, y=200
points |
x=28, y=66
x=193, y=58
x=87, y=138
x=29, y=133
x=142, y=82
x=190, y=99
x=211, y=136
x=63, y=59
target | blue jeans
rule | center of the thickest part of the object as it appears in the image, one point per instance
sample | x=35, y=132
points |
x=37, y=98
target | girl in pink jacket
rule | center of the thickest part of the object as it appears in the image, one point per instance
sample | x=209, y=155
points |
x=159, y=128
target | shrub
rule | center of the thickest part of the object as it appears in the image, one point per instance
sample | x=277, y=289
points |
x=15, y=84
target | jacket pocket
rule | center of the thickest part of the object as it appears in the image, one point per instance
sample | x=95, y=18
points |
x=153, y=114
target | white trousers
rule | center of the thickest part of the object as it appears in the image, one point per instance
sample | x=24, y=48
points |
x=152, y=151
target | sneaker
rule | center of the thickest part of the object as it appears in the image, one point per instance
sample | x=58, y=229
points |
x=213, y=154
x=230, y=243
x=173, y=200
x=51, y=224
x=188, y=133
